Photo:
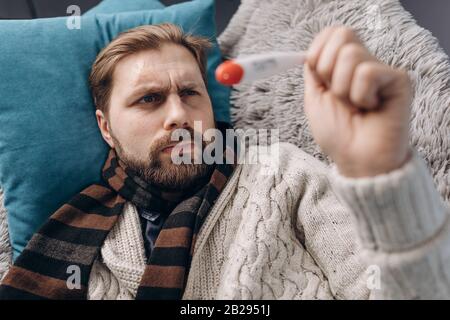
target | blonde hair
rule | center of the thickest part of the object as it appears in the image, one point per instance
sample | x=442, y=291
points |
x=133, y=41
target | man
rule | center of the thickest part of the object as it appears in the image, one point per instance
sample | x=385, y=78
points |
x=372, y=226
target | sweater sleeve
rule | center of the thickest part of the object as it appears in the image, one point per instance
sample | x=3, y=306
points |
x=402, y=226
x=383, y=237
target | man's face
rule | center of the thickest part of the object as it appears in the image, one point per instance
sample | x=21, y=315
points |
x=154, y=93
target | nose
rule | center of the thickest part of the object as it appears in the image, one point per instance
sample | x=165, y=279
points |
x=176, y=114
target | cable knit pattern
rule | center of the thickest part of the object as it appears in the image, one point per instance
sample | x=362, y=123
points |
x=117, y=272
x=264, y=259
x=409, y=237
x=302, y=232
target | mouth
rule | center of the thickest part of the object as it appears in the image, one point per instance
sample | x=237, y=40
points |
x=181, y=147
x=168, y=148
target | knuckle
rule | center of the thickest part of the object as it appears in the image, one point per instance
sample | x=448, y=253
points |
x=330, y=29
x=345, y=33
x=322, y=34
x=367, y=71
x=352, y=51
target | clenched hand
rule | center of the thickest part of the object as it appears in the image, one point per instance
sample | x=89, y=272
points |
x=358, y=108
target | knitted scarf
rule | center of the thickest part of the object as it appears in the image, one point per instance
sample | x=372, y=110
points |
x=57, y=261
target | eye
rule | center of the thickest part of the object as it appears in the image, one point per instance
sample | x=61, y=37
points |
x=189, y=92
x=150, y=98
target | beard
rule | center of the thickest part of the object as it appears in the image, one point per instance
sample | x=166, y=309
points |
x=166, y=175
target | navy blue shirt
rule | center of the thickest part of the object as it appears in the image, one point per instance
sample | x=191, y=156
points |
x=151, y=223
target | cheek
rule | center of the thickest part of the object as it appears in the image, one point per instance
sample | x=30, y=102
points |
x=134, y=132
x=206, y=116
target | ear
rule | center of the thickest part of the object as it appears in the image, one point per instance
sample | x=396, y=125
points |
x=103, y=124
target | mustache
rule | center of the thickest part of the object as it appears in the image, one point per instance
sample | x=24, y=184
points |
x=167, y=140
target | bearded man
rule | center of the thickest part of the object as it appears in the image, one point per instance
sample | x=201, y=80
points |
x=371, y=226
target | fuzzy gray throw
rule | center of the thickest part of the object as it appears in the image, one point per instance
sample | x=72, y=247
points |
x=389, y=32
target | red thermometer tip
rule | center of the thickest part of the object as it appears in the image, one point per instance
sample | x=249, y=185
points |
x=229, y=73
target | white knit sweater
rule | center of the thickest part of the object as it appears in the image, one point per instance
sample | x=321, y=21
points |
x=303, y=232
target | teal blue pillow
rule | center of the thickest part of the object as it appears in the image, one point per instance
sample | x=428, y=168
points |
x=50, y=145
x=115, y=6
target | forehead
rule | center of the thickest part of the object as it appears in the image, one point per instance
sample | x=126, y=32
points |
x=157, y=65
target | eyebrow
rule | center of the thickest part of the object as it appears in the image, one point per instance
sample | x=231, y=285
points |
x=157, y=88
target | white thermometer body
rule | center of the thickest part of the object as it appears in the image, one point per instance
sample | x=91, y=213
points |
x=253, y=67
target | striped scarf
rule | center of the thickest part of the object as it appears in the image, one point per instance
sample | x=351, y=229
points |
x=57, y=261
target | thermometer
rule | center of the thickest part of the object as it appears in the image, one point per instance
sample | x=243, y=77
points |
x=253, y=67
